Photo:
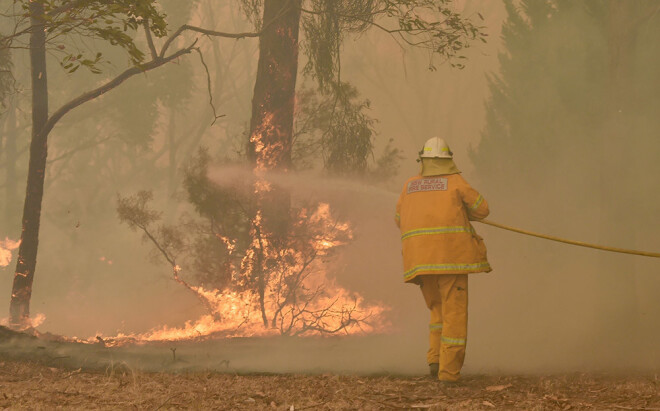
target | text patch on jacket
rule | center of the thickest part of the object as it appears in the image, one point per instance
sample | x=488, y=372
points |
x=428, y=184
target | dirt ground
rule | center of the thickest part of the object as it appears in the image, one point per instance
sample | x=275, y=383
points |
x=36, y=373
x=35, y=386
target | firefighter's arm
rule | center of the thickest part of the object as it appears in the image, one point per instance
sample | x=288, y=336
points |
x=475, y=204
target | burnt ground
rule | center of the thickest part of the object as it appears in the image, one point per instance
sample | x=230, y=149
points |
x=38, y=386
x=38, y=374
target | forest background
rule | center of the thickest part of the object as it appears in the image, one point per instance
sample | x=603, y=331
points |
x=552, y=120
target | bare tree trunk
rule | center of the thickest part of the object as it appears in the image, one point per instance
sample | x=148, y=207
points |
x=19, y=308
x=271, y=125
x=11, y=135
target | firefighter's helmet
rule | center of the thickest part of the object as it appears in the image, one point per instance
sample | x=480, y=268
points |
x=436, y=147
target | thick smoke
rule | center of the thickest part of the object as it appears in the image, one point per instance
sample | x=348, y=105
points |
x=538, y=311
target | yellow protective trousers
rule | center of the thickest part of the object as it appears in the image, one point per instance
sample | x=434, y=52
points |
x=446, y=296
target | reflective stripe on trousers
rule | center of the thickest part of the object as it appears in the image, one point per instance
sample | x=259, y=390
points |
x=435, y=326
x=446, y=297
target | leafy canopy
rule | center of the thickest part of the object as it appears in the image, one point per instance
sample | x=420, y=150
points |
x=113, y=22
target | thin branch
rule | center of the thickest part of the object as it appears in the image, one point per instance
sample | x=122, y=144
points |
x=214, y=33
x=208, y=33
x=175, y=269
x=91, y=144
x=208, y=86
x=65, y=7
x=358, y=18
x=8, y=39
x=92, y=94
x=170, y=259
x=391, y=32
x=347, y=16
x=150, y=40
x=400, y=32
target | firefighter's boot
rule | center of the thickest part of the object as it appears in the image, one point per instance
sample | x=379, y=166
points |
x=434, y=368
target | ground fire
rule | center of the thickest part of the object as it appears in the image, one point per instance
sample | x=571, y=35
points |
x=278, y=280
x=294, y=295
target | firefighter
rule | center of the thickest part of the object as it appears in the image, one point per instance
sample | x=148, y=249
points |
x=440, y=247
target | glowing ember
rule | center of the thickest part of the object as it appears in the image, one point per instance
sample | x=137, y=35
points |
x=6, y=247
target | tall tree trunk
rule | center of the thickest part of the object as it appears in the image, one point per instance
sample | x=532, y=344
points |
x=271, y=125
x=11, y=136
x=19, y=308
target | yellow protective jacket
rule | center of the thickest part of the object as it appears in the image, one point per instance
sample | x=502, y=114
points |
x=434, y=216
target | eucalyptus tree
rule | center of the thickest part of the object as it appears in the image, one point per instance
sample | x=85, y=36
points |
x=6, y=77
x=346, y=134
x=46, y=23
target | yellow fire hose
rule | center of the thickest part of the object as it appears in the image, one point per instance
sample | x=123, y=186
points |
x=563, y=240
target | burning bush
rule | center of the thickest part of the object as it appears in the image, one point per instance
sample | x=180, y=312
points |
x=262, y=261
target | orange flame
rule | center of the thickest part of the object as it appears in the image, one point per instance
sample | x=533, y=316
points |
x=328, y=309
x=294, y=295
x=6, y=247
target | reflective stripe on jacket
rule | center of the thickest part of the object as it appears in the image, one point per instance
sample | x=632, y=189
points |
x=434, y=216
